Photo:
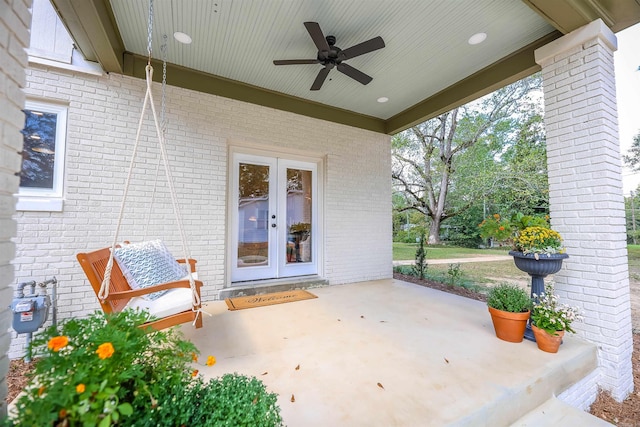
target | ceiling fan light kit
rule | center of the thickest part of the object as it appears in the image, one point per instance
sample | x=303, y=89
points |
x=331, y=56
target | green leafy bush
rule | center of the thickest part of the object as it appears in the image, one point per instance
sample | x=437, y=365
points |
x=231, y=400
x=105, y=370
x=496, y=227
x=508, y=297
x=454, y=274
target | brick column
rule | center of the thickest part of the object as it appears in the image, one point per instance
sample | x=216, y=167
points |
x=15, y=20
x=586, y=201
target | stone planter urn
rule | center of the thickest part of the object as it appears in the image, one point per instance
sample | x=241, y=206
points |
x=538, y=268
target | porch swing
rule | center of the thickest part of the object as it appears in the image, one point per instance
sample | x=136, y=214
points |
x=145, y=275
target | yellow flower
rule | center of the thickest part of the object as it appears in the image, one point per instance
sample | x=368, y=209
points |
x=57, y=343
x=194, y=357
x=496, y=216
x=80, y=388
x=211, y=361
x=41, y=391
x=105, y=350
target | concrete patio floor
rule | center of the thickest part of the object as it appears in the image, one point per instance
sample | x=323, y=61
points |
x=391, y=353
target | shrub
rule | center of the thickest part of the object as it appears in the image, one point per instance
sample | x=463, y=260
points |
x=231, y=400
x=420, y=266
x=105, y=370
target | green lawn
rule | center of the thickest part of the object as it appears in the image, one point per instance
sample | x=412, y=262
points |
x=634, y=253
x=407, y=251
x=483, y=273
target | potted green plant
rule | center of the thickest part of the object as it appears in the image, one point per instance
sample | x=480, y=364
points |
x=550, y=319
x=509, y=306
x=537, y=249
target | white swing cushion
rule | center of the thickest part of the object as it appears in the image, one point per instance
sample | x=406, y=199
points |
x=146, y=264
x=172, y=302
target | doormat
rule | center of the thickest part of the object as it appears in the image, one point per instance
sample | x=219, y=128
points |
x=239, y=303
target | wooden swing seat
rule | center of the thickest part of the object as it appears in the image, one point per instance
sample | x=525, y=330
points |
x=94, y=265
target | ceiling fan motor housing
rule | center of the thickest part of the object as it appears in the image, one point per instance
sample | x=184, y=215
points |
x=333, y=56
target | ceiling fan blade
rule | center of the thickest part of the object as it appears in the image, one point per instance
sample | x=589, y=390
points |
x=364, y=47
x=316, y=35
x=354, y=74
x=322, y=75
x=295, y=61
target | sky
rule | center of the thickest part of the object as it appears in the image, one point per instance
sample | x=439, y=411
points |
x=627, y=64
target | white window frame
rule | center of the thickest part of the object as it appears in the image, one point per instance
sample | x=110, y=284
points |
x=48, y=199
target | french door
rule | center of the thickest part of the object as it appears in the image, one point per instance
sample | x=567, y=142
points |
x=274, y=218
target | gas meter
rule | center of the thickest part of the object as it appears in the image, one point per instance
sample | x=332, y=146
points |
x=30, y=311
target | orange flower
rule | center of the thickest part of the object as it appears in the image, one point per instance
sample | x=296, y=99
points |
x=501, y=228
x=194, y=357
x=57, y=343
x=105, y=350
x=41, y=391
x=80, y=388
x=211, y=361
x=62, y=414
x=496, y=216
x=194, y=373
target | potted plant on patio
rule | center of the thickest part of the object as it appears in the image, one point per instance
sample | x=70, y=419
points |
x=550, y=319
x=509, y=306
x=537, y=249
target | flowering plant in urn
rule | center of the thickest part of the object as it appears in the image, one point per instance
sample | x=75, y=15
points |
x=529, y=234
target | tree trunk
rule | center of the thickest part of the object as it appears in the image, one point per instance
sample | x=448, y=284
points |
x=434, y=231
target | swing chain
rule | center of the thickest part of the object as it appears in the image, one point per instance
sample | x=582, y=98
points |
x=150, y=30
x=163, y=119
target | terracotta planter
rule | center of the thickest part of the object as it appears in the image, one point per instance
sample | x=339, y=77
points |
x=547, y=342
x=509, y=326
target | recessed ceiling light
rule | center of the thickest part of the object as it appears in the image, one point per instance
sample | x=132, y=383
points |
x=182, y=37
x=477, y=38
x=382, y=99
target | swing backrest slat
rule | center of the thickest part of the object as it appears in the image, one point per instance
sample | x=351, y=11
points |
x=94, y=265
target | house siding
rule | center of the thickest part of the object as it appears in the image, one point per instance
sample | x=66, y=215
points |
x=585, y=196
x=102, y=121
x=15, y=19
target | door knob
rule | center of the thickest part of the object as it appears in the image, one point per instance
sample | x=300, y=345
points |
x=273, y=225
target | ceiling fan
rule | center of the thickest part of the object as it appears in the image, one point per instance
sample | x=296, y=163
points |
x=332, y=56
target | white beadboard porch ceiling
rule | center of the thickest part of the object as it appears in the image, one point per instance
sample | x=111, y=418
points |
x=426, y=68
x=426, y=43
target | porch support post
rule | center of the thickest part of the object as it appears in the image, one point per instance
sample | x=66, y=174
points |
x=586, y=200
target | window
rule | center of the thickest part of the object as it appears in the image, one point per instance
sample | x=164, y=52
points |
x=41, y=178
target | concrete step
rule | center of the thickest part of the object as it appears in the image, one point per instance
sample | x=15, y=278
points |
x=260, y=287
x=555, y=412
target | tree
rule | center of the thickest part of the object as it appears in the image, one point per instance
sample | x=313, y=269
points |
x=455, y=153
x=632, y=160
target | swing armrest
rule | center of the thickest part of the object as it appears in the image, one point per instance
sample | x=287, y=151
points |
x=155, y=288
x=192, y=263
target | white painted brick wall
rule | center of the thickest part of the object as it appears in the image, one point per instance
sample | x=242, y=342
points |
x=15, y=19
x=103, y=117
x=586, y=200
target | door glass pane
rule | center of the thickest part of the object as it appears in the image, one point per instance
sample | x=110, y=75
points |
x=298, y=216
x=253, y=215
